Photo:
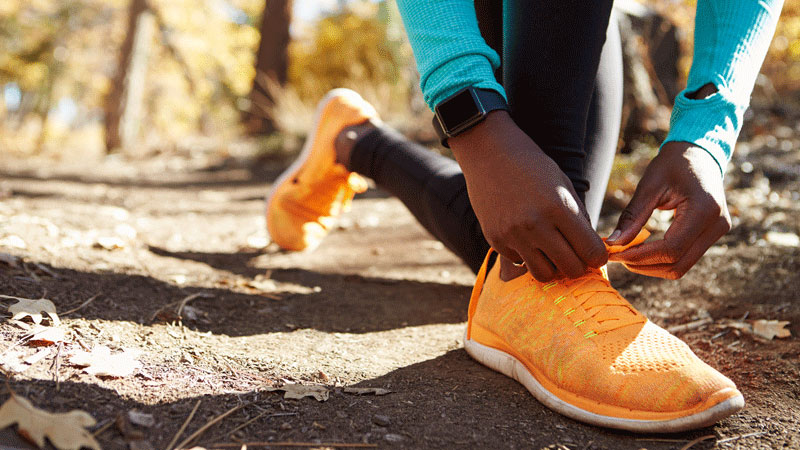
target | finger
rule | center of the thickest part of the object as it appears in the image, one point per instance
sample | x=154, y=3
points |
x=559, y=252
x=689, y=259
x=509, y=254
x=687, y=226
x=645, y=199
x=584, y=243
x=540, y=267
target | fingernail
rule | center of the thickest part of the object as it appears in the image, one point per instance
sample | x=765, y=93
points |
x=614, y=236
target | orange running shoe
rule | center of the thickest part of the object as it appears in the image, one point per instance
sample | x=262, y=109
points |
x=581, y=349
x=307, y=197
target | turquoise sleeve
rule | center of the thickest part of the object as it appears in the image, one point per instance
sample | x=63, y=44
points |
x=448, y=47
x=731, y=39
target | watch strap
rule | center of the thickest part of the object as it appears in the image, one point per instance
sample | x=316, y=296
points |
x=490, y=100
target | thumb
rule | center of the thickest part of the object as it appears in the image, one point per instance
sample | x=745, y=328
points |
x=634, y=216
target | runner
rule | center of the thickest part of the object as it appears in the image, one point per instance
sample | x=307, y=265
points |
x=534, y=139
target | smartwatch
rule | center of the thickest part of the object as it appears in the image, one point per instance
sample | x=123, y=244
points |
x=465, y=109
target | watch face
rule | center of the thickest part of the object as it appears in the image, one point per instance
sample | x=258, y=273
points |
x=458, y=110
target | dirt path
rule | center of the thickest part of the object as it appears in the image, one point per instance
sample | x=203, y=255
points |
x=380, y=304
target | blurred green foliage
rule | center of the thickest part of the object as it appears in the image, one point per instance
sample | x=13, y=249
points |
x=57, y=59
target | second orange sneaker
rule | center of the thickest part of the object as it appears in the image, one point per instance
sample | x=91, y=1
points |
x=307, y=198
x=585, y=352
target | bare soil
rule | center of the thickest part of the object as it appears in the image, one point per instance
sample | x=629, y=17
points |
x=379, y=304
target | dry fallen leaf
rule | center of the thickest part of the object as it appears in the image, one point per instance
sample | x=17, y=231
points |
x=41, y=336
x=366, y=391
x=66, y=431
x=297, y=391
x=770, y=329
x=102, y=363
x=34, y=308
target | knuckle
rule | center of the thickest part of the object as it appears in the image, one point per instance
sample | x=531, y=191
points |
x=575, y=271
x=596, y=256
x=626, y=215
x=672, y=255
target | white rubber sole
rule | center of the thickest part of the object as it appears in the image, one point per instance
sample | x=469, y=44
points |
x=510, y=366
x=306, y=151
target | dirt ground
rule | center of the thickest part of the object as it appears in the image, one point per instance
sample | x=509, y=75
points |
x=380, y=304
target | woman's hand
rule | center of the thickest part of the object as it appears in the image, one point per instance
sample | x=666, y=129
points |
x=525, y=204
x=685, y=178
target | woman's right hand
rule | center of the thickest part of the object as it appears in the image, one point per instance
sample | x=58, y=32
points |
x=526, y=206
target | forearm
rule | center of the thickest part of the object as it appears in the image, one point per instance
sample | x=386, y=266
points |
x=731, y=39
x=448, y=47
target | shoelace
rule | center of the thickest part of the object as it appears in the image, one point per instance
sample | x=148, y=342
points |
x=612, y=311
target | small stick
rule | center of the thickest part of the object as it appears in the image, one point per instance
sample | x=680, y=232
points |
x=247, y=423
x=741, y=436
x=103, y=428
x=17, y=298
x=188, y=299
x=296, y=444
x=82, y=305
x=698, y=440
x=690, y=326
x=183, y=427
x=205, y=427
x=57, y=365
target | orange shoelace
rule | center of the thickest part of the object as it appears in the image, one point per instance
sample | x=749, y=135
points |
x=602, y=302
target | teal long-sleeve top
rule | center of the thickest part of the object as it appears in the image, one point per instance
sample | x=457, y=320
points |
x=731, y=39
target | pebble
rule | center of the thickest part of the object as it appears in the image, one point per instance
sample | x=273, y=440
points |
x=393, y=437
x=381, y=420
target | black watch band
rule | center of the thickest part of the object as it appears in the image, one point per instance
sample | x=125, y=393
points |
x=465, y=109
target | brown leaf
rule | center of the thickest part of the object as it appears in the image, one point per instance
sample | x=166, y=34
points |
x=770, y=329
x=100, y=362
x=66, y=431
x=34, y=308
x=41, y=336
x=298, y=391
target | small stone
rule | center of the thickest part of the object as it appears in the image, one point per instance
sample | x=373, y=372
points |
x=393, y=438
x=286, y=426
x=381, y=420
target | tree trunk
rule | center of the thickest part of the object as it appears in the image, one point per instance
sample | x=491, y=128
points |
x=272, y=63
x=114, y=104
x=650, y=52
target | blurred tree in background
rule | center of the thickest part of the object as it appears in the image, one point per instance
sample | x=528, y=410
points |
x=160, y=75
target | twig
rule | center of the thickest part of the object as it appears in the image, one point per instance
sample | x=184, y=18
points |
x=17, y=298
x=741, y=436
x=208, y=425
x=44, y=269
x=690, y=326
x=678, y=441
x=698, y=440
x=248, y=422
x=81, y=306
x=188, y=299
x=57, y=365
x=296, y=444
x=183, y=427
x=103, y=428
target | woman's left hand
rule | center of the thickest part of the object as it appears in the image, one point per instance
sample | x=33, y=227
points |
x=684, y=178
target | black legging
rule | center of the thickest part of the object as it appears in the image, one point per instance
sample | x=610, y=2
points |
x=551, y=51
